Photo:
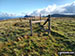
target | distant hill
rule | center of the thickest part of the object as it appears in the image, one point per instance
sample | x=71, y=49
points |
x=62, y=15
x=53, y=15
x=2, y=18
x=10, y=17
x=27, y=16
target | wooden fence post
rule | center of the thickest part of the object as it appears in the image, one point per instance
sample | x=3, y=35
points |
x=20, y=19
x=49, y=25
x=40, y=17
x=30, y=21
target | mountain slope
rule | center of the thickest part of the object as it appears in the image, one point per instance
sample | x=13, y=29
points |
x=14, y=37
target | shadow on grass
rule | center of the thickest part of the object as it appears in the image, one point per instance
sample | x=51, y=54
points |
x=39, y=29
x=57, y=34
x=45, y=34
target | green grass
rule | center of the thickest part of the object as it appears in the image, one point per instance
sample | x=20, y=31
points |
x=15, y=39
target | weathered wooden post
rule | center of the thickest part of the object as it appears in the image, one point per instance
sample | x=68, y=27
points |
x=30, y=21
x=49, y=25
x=40, y=17
x=20, y=19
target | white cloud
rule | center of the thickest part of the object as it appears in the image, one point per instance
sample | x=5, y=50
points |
x=54, y=9
x=2, y=14
x=50, y=9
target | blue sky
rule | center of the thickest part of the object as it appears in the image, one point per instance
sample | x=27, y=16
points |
x=24, y=6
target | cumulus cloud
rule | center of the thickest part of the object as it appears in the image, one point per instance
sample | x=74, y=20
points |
x=50, y=9
x=54, y=9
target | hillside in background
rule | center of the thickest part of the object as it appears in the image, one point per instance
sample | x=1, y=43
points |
x=26, y=16
x=15, y=39
x=62, y=15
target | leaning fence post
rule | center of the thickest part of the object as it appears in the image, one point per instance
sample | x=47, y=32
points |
x=30, y=21
x=49, y=25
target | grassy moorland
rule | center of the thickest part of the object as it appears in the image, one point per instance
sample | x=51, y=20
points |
x=15, y=39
